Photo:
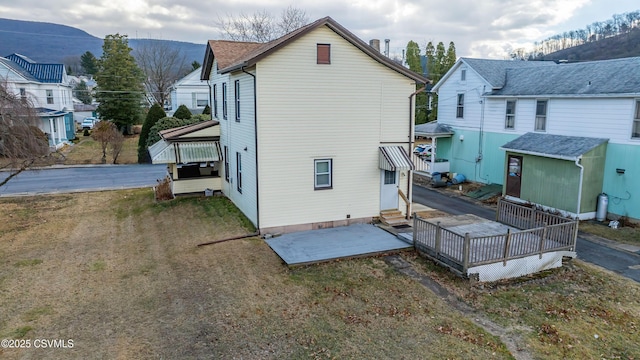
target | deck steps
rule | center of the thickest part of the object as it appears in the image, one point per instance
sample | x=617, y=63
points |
x=392, y=218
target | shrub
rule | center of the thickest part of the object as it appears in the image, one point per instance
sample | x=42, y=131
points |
x=167, y=123
x=86, y=132
x=153, y=116
x=207, y=110
x=182, y=112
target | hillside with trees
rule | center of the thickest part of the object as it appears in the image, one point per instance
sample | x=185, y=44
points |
x=617, y=37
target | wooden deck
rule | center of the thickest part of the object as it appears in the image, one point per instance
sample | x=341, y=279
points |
x=467, y=242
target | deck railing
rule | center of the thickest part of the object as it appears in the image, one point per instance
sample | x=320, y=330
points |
x=525, y=217
x=462, y=252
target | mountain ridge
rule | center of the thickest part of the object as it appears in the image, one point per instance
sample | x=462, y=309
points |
x=47, y=42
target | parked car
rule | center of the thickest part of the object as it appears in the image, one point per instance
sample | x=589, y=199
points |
x=88, y=123
x=423, y=150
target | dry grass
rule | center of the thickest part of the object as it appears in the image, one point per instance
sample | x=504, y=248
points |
x=121, y=275
x=629, y=234
x=88, y=151
x=579, y=311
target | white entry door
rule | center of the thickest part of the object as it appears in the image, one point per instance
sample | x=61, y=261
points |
x=388, y=189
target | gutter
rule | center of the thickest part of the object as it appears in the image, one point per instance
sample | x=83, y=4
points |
x=255, y=136
x=577, y=162
x=560, y=157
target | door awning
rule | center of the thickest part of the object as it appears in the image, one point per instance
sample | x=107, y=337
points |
x=164, y=152
x=394, y=158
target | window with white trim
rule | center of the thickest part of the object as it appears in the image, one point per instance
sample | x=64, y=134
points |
x=635, y=132
x=224, y=101
x=237, y=99
x=49, y=96
x=199, y=100
x=322, y=174
x=463, y=75
x=460, y=106
x=510, y=115
x=541, y=115
x=23, y=93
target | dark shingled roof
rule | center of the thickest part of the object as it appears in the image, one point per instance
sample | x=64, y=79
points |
x=494, y=71
x=433, y=128
x=616, y=76
x=554, y=146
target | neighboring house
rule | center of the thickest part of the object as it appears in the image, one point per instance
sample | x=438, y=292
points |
x=192, y=154
x=47, y=86
x=554, y=134
x=316, y=128
x=82, y=111
x=191, y=92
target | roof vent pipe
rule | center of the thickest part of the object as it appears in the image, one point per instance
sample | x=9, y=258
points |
x=386, y=47
x=375, y=43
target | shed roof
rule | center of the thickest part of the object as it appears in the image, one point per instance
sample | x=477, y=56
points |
x=553, y=146
x=249, y=55
x=175, y=133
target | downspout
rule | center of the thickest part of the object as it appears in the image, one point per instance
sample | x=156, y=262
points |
x=481, y=136
x=579, y=184
x=255, y=136
x=210, y=97
x=411, y=137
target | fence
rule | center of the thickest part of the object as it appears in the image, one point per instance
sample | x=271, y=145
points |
x=524, y=217
x=460, y=252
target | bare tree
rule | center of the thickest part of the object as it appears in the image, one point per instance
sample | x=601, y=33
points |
x=104, y=132
x=162, y=66
x=116, y=144
x=22, y=143
x=262, y=26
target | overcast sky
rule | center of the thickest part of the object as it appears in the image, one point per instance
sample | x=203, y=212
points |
x=479, y=28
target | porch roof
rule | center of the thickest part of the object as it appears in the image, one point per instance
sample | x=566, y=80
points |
x=433, y=129
x=553, y=146
x=165, y=152
x=394, y=158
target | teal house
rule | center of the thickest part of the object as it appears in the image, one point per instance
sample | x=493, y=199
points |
x=553, y=134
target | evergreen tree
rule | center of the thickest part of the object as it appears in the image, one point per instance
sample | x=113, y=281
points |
x=153, y=116
x=206, y=110
x=182, y=112
x=168, y=123
x=81, y=92
x=450, y=56
x=413, y=60
x=120, y=91
x=195, y=65
x=89, y=63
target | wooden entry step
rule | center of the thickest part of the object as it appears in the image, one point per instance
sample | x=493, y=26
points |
x=392, y=218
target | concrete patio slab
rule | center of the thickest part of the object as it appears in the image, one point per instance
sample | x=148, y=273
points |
x=307, y=247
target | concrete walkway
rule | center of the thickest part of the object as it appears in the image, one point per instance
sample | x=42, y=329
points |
x=307, y=247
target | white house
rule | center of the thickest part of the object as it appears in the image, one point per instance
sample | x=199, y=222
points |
x=47, y=86
x=191, y=92
x=315, y=128
x=554, y=134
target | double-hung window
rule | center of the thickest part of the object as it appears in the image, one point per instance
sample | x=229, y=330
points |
x=226, y=163
x=460, y=106
x=237, y=99
x=541, y=115
x=323, y=53
x=463, y=75
x=49, y=96
x=635, y=133
x=215, y=100
x=224, y=100
x=510, y=115
x=322, y=174
x=239, y=171
x=199, y=100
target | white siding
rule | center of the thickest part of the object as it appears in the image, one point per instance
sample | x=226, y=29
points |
x=472, y=88
x=589, y=117
x=341, y=111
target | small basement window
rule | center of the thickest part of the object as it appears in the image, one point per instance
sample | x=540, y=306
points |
x=324, y=53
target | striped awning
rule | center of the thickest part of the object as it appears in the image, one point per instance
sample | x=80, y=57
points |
x=394, y=158
x=164, y=152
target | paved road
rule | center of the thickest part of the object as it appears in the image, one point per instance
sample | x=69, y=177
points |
x=82, y=178
x=622, y=262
